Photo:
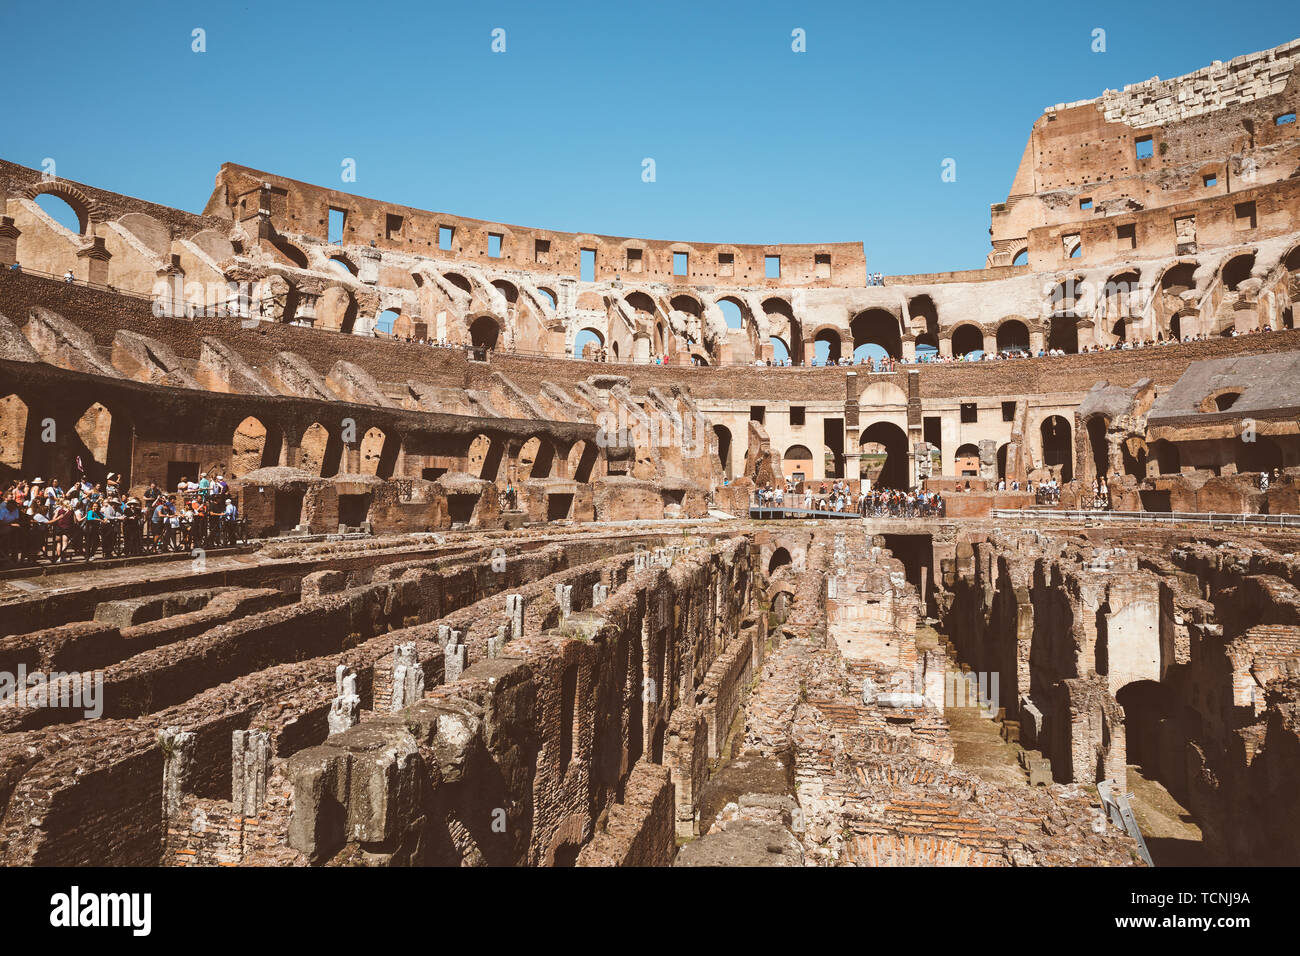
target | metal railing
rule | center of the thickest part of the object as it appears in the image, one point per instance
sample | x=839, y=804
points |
x=1151, y=517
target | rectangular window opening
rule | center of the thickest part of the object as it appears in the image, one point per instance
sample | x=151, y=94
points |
x=1245, y=215
x=1008, y=411
x=1145, y=146
x=542, y=251
x=969, y=413
x=338, y=219
x=1126, y=236
x=1085, y=204
x=681, y=263
x=494, y=245
x=726, y=263
x=796, y=415
x=757, y=413
x=392, y=226
x=1209, y=179
x=587, y=268
x=772, y=267
x=445, y=234
x=634, y=260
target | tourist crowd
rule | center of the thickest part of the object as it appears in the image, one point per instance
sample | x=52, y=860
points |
x=839, y=497
x=42, y=520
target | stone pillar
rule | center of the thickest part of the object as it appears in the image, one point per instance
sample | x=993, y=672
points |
x=988, y=459
x=599, y=593
x=250, y=762
x=95, y=270
x=408, y=676
x=640, y=561
x=515, y=612
x=9, y=234
x=178, y=763
x=453, y=651
x=564, y=598
x=345, y=708
x=945, y=347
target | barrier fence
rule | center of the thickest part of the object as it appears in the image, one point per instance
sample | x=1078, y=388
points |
x=1151, y=517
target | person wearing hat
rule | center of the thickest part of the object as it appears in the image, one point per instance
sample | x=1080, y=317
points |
x=132, y=523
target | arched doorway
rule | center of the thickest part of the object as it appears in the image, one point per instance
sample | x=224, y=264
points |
x=887, y=464
x=1058, y=448
x=878, y=328
x=483, y=332
x=967, y=340
x=966, y=460
x=723, y=434
x=826, y=347
x=780, y=558
x=1013, y=336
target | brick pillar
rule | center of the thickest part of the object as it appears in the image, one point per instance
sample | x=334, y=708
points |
x=96, y=256
x=9, y=234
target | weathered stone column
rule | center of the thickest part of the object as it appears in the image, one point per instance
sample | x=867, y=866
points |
x=250, y=762
x=178, y=763
x=408, y=677
x=346, y=706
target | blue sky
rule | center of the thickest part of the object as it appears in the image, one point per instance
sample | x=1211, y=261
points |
x=751, y=141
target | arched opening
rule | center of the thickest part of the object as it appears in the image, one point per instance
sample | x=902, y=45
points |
x=781, y=320
x=319, y=451
x=798, y=463
x=483, y=332
x=1165, y=455
x=1098, y=446
x=459, y=281
x=1236, y=271
x=878, y=328
x=1065, y=295
x=95, y=429
x=386, y=321
x=780, y=351
x=507, y=289
x=1146, y=706
x=483, y=458
x=1176, y=327
x=1262, y=454
x=535, y=458
x=580, y=461
x=730, y=309
x=63, y=212
x=547, y=294
x=13, y=438
x=1003, y=449
x=1120, y=295
x=967, y=341
x=826, y=347
x=927, y=347
x=253, y=446
x=341, y=265
x=723, y=434
x=1178, y=278
x=1021, y=258
x=887, y=464
x=1013, y=336
x=780, y=559
x=378, y=454
x=1063, y=334
x=291, y=253
x=587, y=344
x=966, y=460
x=1058, y=448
